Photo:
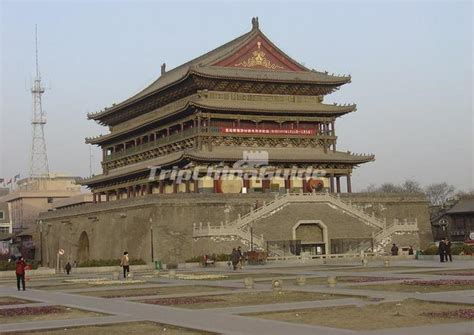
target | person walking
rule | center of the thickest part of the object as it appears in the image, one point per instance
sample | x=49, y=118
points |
x=447, y=252
x=442, y=250
x=68, y=268
x=241, y=257
x=394, y=250
x=125, y=263
x=234, y=258
x=20, y=273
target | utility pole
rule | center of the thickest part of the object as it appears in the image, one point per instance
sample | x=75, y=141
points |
x=39, y=167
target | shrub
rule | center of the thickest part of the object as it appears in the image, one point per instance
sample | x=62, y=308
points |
x=222, y=258
x=170, y=266
x=456, y=249
x=195, y=259
x=11, y=266
x=218, y=258
x=7, y=266
x=464, y=249
x=109, y=262
x=431, y=250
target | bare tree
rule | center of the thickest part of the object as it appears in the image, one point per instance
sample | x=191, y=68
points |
x=389, y=188
x=370, y=189
x=438, y=194
x=412, y=186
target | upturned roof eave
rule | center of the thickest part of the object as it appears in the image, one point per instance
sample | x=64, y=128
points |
x=208, y=58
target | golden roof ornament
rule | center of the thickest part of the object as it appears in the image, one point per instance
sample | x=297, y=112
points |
x=258, y=59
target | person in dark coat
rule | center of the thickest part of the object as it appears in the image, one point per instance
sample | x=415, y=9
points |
x=68, y=268
x=20, y=272
x=235, y=258
x=447, y=252
x=241, y=257
x=442, y=250
x=394, y=250
x=410, y=250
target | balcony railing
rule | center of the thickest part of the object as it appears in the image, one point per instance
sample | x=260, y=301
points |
x=153, y=144
x=191, y=132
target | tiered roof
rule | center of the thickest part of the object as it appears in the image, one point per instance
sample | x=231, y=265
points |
x=251, y=56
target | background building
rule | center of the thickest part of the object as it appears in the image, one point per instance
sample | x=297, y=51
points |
x=455, y=222
x=31, y=197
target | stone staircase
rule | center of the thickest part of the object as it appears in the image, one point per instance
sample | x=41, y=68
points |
x=241, y=226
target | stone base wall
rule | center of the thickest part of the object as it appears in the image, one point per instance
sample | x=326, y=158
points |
x=165, y=221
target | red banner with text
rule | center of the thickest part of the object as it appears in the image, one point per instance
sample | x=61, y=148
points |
x=268, y=131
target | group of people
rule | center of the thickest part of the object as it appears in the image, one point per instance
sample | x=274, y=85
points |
x=237, y=258
x=444, y=250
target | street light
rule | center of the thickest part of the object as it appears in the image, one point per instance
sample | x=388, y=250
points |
x=151, y=240
x=444, y=225
x=40, y=223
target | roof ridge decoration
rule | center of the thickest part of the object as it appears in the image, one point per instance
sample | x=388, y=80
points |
x=255, y=24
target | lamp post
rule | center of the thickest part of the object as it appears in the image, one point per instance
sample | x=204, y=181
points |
x=40, y=223
x=444, y=225
x=251, y=236
x=151, y=240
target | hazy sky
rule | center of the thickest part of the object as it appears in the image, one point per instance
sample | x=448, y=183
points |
x=411, y=64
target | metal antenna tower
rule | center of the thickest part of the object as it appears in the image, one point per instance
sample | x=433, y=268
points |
x=39, y=160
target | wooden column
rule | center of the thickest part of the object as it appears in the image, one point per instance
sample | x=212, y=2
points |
x=305, y=184
x=107, y=196
x=196, y=186
x=349, y=186
x=161, y=184
x=287, y=183
x=265, y=185
x=175, y=187
x=216, y=185
x=188, y=189
x=149, y=189
x=100, y=196
x=331, y=183
x=129, y=192
x=247, y=184
x=94, y=198
x=338, y=184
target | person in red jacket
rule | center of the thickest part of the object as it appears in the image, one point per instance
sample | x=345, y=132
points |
x=20, y=272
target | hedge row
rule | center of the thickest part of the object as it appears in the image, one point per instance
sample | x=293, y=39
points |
x=108, y=262
x=456, y=249
x=11, y=266
x=217, y=258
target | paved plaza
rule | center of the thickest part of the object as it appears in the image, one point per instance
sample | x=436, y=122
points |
x=197, y=301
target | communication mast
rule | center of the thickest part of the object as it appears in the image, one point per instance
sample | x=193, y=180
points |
x=39, y=167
